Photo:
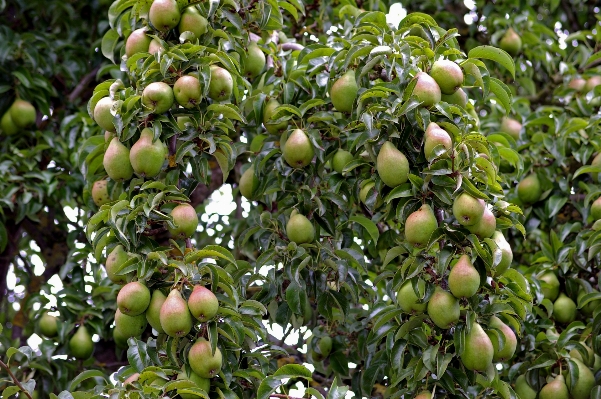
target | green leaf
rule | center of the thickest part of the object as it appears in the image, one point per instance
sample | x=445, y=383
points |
x=370, y=226
x=84, y=376
x=109, y=42
x=10, y=391
x=494, y=54
x=271, y=383
x=502, y=92
x=210, y=251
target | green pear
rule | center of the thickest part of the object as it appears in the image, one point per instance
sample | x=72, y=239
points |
x=192, y=21
x=426, y=90
x=133, y=298
x=175, y=316
x=511, y=126
x=434, y=137
x=164, y=14
x=458, y=98
x=221, y=85
x=585, y=383
x=130, y=326
x=443, y=309
x=298, y=150
x=564, y=309
x=522, y=388
x=344, y=92
x=202, y=383
x=154, y=47
x=116, y=161
x=424, y=395
x=114, y=261
x=187, y=91
x=365, y=191
x=254, y=61
x=7, y=125
x=529, y=189
x=486, y=226
x=299, y=229
x=577, y=84
x=464, y=279
x=468, y=210
x=153, y=313
x=325, y=345
x=248, y=183
x=407, y=298
x=146, y=157
x=340, y=159
x=589, y=361
x=102, y=114
x=392, y=165
x=273, y=128
x=48, y=325
x=590, y=307
x=556, y=389
x=506, y=253
x=157, y=97
x=137, y=42
x=591, y=83
x=511, y=342
x=597, y=363
x=203, y=361
x=448, y=75
x=100, y=193
x=203, y=304
x=511, y=42
x=81, y=345
x=22, y=113
x=596, y=209
x=119, y=338
x=549, y=285
x=478, y=350
x=185, y=219
x=420, y=225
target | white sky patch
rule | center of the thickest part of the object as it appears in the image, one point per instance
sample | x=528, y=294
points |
x=395, y=15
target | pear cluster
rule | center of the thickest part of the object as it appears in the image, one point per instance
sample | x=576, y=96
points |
x=20, y=115
x=80, y=344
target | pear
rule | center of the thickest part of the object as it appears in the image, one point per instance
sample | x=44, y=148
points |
x=7, y=125
x=133, y=298
x=458, y=98
x=443, y=309
x=424, y=395
x=203, y=361
x=478, y=350
x=100, y=193
x=556, y=389
x=435, y=136
x=468, y=210
x=464, y=279
x=448, y=75
x=344, y=92
x=120, y=338
x=187, y=91
x=591, y=83
x=298, y=150
x=192, y=21
x=325, y=346
x=299, y=229
x=596, y=209
x=340, y=159
x=185, y=219
x=522, y=388
x=114, y=261
x=175, y=316
x=590, y=307
x=154, y=47
x=597, y=363
x=103, y=116
x=130, y=326
x=365, y=191
x=392, y=165
x=407, y=298
x=81, y=345
x=549, y=285
x=22, y=113
x=116, y=161
x=164, y=14
x=221, y=85
x=529, y=190
x=273, y=128
x=577, y=84
x=502, y=355
x=153, y=312
x=420, y=225
x=585, y=383
x=202, y=383
x=48, y=325
x=254, y=61
x=203, y=304
x=137, y=42
x=248, y=183
x=589, y=361
x=506, y=253
x=158, y=97
x=564, y=309
x=511, y=42
x=146, y=157
x=511, y=127
x=486, y=226
x=426, y=90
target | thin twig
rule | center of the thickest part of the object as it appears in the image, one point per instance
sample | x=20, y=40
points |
x=17, y=383
x=81, y=86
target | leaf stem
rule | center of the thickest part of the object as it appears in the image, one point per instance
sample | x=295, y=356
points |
x=15, y=380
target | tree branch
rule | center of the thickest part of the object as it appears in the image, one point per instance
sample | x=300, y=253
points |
x=83, y=84
x=15, y=380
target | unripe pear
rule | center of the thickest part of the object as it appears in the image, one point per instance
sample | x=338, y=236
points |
x=590, y=307
x=100, y=193
x=458, y=98
x=424, y=395
x=426, y=90
x=164, y=14
x=187, y=91
x=591, y=83
x=486, y=226
x=407, y=298
x=203, y=304
x=137, y=42
x=577, y=84
x=443, y=309
x=420, y=225
x=130, y=326
x=344, y=92
x=468, y=210
x=175, y=316
x=248, y=183
x=392, y=165
x=7, y=125
x=522, y=388
x=202, y=383
x=529, y=189
x=596, y=209
x=435, y=136
x=340, y=159
x=299, y=229
x=298, y=150
x=585, y=383
x=556, y=389
x=81, y=345
x=448, y=75
x=153, y=313
x=146, y=157
x=511, y=341
x=511, y=126
x=596, y=162
x=114, y=261
x=22, y=113
x=254, y=61
x=511, y=42
x=549, y=285
x=103, y=116
x=478, y=350
x=133, y=298
x=116, y=161
x=273, y=128
x=119, y=338
x=464, y=279
x=221, y=85
x=158, y=97
x=203, y=361
x=185, y=219
x=192, y=21
x=589, y=361
x=48, y=325
x=154, y=47
x=564, y=309
x=325, y=345
x=506, y=253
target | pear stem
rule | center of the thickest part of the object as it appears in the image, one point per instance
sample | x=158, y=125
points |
x=15, y=380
